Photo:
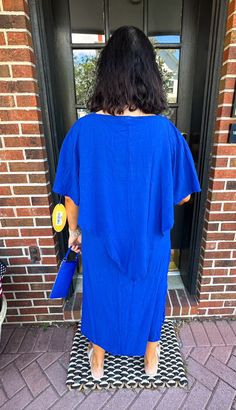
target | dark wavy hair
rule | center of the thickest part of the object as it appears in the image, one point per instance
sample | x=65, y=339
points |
x=127, y=75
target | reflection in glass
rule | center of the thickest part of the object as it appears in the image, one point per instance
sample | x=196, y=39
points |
x=168, y=63
x=165, y=39
x=84, y=73
x=87, y=21
x=174, y=260
x=87, y=38
x=171, y=113
x=81, y=112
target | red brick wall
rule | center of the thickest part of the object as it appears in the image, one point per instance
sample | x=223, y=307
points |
x=217, y=273
x=25, y=198
x=26, y=201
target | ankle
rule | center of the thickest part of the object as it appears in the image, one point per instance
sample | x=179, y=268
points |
x=151, y=349
x=151, y=346
x=98, y=357
x=97, y=363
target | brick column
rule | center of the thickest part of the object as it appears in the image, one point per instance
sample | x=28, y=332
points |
x=217, y=273
x=26, y=201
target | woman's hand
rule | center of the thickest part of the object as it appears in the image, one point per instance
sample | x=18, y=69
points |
x=76, y=243
x=186, y=199
x=75, y=234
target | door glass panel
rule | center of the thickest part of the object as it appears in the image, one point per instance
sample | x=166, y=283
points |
x=165, y=39
x=124, y=12
x=84, y=73
x=81, y=112
x=168, y=62
x=87, y=21
x=87, y=38
x=171, y=113
x=174, y=260
x=164, y=17
x=163, y=27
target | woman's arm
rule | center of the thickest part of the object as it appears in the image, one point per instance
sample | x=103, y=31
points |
x=72, y=212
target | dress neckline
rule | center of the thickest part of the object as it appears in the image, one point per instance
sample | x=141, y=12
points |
x=123, y=116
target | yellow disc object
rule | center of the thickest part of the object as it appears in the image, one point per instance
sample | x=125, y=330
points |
x=59, y=217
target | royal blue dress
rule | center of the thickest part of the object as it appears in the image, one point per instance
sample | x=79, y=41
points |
x=126, y=174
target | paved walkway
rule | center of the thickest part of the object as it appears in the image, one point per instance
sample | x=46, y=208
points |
x=34, y=360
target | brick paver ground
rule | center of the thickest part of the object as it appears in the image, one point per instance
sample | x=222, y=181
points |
x=34, y=360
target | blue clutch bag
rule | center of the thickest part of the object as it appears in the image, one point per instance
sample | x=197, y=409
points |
x=65, y=275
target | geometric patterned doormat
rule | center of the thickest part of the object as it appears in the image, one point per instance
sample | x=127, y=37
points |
x=127, y=371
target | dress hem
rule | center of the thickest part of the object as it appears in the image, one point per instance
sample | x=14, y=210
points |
x=107, y=349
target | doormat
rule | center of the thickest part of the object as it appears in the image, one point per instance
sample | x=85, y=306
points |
x=127, y=371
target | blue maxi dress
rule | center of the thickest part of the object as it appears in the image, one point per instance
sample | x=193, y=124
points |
x=126, y=174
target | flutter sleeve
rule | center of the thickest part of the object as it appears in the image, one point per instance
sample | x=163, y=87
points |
x=184, y=174
x=66, y=181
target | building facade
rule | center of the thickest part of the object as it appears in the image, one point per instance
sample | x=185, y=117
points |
x=48, y=54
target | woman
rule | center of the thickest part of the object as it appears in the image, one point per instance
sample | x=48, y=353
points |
x=122, y=168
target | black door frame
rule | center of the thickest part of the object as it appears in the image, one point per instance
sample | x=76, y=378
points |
x=216, y=48
x=56, y=117
x=55, y=128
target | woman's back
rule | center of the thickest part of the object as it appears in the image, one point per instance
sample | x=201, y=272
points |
x=124, y=160
x=126, y=173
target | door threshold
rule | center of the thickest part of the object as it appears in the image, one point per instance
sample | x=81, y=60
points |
x=175, y=280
